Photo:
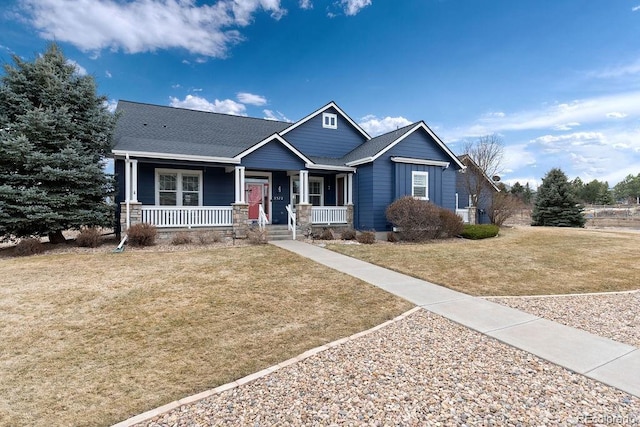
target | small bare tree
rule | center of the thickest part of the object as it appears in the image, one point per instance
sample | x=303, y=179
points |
x=486, y=153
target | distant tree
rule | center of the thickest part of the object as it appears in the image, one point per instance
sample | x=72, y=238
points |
x=628, y=189
x=556, y=204
x=503, y=206
x=54, y=135
x=487, y=153
x=594, y=192
x=527, y=195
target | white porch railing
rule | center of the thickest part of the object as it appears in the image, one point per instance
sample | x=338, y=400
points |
x=262, y=218
x=464, y=214
x=291, y=220
x=328, y=215
x=188, y=216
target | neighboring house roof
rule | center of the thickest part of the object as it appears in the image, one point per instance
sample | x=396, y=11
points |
x=467, y=160
x=145, y=128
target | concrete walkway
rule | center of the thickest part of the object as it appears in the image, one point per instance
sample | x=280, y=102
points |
x=602, y=359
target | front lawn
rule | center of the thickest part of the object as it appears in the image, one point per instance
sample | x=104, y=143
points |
x=93, y=339
x=520, y=261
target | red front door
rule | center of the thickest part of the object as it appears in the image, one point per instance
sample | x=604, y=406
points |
x=254, y=198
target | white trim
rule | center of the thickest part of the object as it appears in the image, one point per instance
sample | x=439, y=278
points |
x=413, y=182
x=321, y=110
x=330, y=117
x=304, y=192
x=268, y=140
x=330, y=167
x=426, y=162
x=239, y=177
x=350, y=189
x=171, y=156
x=179, y=173
x=420, y=125
x=490, y=181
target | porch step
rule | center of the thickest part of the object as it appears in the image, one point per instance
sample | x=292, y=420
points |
x=278, y=232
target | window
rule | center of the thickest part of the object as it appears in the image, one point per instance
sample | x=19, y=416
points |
x=420, y=185
x=330, y=120
x=178, y=188
x=316, y=196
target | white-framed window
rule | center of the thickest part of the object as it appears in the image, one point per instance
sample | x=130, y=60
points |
x=420, y=185
x=316, y=195
x=178, y=187
x=329, y=120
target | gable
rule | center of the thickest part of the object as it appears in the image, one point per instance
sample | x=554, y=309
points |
x=275, y=153
x=312, y=138
x=419, y=145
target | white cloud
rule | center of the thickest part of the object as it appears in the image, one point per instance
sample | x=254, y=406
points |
x=251, y=99
x=111, y=105
x=227, y=106
x=566, y=126
x=277, y=115
x=352, y=7
x=573, y=139
x=80, y=70
x=635, y=8
x=146, y=25
x=306, y=4
x=620, y=70
x=616, y=115
x=196, y=89
x=176, y=86
x=374, y=126
x=108, y=74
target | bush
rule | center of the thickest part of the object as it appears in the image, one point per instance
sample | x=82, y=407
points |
x=391, y=237
x=483, y=231
x=348, y=234
x=451, y=224
x=26, y=247
x=420, y=220
x=326, y=234
x=208, y=237
x=142, y=234
x=89, y=237
x=255, y=236
x=366, y=237
x=182, y=238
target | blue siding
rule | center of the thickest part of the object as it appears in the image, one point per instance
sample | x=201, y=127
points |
x=390, y=180
x=217, y=184
x=314, y=140
x=272, y=156
x=363, y=200
x=482, y=215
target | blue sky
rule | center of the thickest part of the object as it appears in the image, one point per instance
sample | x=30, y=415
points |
x=559, y=80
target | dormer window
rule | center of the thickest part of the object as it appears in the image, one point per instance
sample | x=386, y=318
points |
x=329, y=120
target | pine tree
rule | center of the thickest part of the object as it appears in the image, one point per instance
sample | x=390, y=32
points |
x=55, y=133
x=556, y=204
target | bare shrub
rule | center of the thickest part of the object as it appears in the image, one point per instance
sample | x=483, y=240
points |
x=326, y=234
x=366, y=237
x=182, y=238
x=142, y=234
x=208, y=237
x=391, y=237
x=26, y=247
x=89, y=237
x=348, y=234
x=451, y=224
x=504, y=205
x=418, y=220
x=255, y=236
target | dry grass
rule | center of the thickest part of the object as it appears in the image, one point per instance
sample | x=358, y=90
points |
x=94, y=338
x=520, y=261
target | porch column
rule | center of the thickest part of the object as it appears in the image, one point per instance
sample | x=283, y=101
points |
x=239, y=185
x=350, y=189
x=134, y=180
x=304, y=187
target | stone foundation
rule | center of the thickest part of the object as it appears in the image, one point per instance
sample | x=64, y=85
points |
x=135, y=214
x=240, y=219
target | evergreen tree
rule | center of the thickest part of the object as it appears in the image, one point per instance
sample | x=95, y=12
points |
x=55, y=132
x=556, y=204
x=628, y=189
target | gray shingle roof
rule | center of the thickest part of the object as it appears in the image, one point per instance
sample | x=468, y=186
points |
x=375, y=145
x=159, y=129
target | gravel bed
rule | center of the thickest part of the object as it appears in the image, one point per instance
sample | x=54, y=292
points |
x=614, y=316
x=421, y=370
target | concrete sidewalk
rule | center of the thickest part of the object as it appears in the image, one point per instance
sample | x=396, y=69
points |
x=602, y=359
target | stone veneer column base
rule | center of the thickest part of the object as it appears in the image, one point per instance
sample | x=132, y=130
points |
x=135, y=214
x=240, y=219
x=350, y=216
x=472, y=215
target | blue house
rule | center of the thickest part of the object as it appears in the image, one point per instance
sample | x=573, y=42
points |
x=179, y=168
x=474, y=193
